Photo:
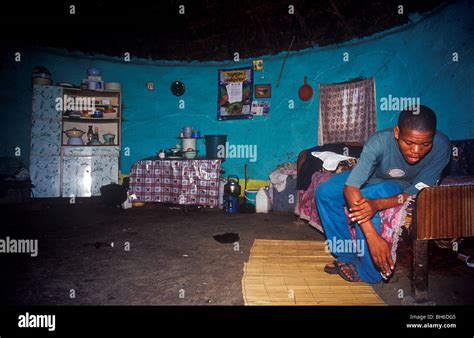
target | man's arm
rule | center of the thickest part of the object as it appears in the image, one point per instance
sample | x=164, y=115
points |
x=365, y=208
x=379, y=248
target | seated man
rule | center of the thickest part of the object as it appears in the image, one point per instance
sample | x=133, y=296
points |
x=394, y=164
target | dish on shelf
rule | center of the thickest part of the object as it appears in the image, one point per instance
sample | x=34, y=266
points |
x=174, y=157
x=94, y=72
x=113, y=86
x=74, y=133
x=66, y=84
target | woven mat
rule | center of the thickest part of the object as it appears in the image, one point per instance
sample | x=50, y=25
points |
x=292, y=273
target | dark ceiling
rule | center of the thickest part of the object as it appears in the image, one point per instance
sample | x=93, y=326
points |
x=209, y=29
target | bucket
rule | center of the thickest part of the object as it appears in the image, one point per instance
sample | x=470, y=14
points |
x=215, y=146
x=251, y=196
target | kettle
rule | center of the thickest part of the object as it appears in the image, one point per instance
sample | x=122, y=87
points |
x=232, y=186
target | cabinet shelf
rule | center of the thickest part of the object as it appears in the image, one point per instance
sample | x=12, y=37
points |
x=92, y=92
x=90, y=145
x=89, y=119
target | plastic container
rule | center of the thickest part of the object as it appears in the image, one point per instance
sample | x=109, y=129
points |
x=251, y=196
x=262, y=201
x=215, y=146
x=222, y=182
x=188, y=143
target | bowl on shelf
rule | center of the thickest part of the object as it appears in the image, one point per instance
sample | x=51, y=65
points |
x=75, y=141
x=94, y=72
x=138, y=204
x=110, y=115
x=190, y=154
x=113, y=86
x=109, y=139
x=74, y=132
x=42, y=81
x=98, y=114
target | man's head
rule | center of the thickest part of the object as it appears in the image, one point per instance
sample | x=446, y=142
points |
x=415, y=132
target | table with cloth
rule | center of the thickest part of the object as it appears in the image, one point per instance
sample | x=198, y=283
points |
x=176, y=181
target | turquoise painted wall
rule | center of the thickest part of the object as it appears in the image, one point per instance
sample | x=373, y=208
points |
x=410, y=61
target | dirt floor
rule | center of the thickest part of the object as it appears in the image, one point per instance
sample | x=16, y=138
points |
x=162, y=255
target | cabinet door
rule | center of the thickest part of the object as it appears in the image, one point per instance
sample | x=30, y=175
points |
x=77, y=176
x=45, y=101
x=45, y=137
x=104, y=171
x=45, y=175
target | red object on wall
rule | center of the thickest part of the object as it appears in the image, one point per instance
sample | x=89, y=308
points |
x=306, y=91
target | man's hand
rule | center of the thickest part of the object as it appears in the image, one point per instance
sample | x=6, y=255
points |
x=381, y=253
x=363, y=210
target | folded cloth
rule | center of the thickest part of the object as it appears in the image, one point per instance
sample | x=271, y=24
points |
x=330, y=160
x=279, y=175
x=312, y=164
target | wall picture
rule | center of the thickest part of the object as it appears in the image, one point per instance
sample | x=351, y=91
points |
x=263, y=91
x=235, y=88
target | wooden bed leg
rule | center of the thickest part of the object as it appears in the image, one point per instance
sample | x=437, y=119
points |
x=419, y=278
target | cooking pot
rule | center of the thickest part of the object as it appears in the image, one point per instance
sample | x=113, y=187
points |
x=232, y=186
x=74, y=132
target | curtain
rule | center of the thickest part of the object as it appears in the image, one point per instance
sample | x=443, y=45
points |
x=346, y=111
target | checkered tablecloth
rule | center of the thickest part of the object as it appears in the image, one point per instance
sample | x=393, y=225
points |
x=186, y=182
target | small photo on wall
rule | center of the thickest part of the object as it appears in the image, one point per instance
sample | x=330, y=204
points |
x=263, y=91
x=261, y=108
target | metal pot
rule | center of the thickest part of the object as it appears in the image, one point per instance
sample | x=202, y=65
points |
x=232, y=186
x=74, y=132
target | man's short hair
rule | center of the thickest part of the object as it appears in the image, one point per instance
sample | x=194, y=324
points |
x=420, y=118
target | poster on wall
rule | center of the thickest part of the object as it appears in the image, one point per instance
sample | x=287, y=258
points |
x=234, y=94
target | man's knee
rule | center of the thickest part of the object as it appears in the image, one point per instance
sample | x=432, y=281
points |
x=324, y=192
x=392, y=188
x=382, y=190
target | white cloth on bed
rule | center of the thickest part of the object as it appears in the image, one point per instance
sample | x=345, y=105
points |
x=330, y=159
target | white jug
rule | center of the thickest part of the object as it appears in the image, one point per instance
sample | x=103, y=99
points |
x=262, y=201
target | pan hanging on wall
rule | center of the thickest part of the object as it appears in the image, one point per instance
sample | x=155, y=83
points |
x=306, y=91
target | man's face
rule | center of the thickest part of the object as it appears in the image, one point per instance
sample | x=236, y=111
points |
x=414, y=144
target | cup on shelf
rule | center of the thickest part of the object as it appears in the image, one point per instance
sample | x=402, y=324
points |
x=188, y=131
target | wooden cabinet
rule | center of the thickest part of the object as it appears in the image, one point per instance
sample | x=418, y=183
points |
x=61, y=169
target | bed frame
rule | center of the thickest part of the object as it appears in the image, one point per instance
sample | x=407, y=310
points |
x=440, y=212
